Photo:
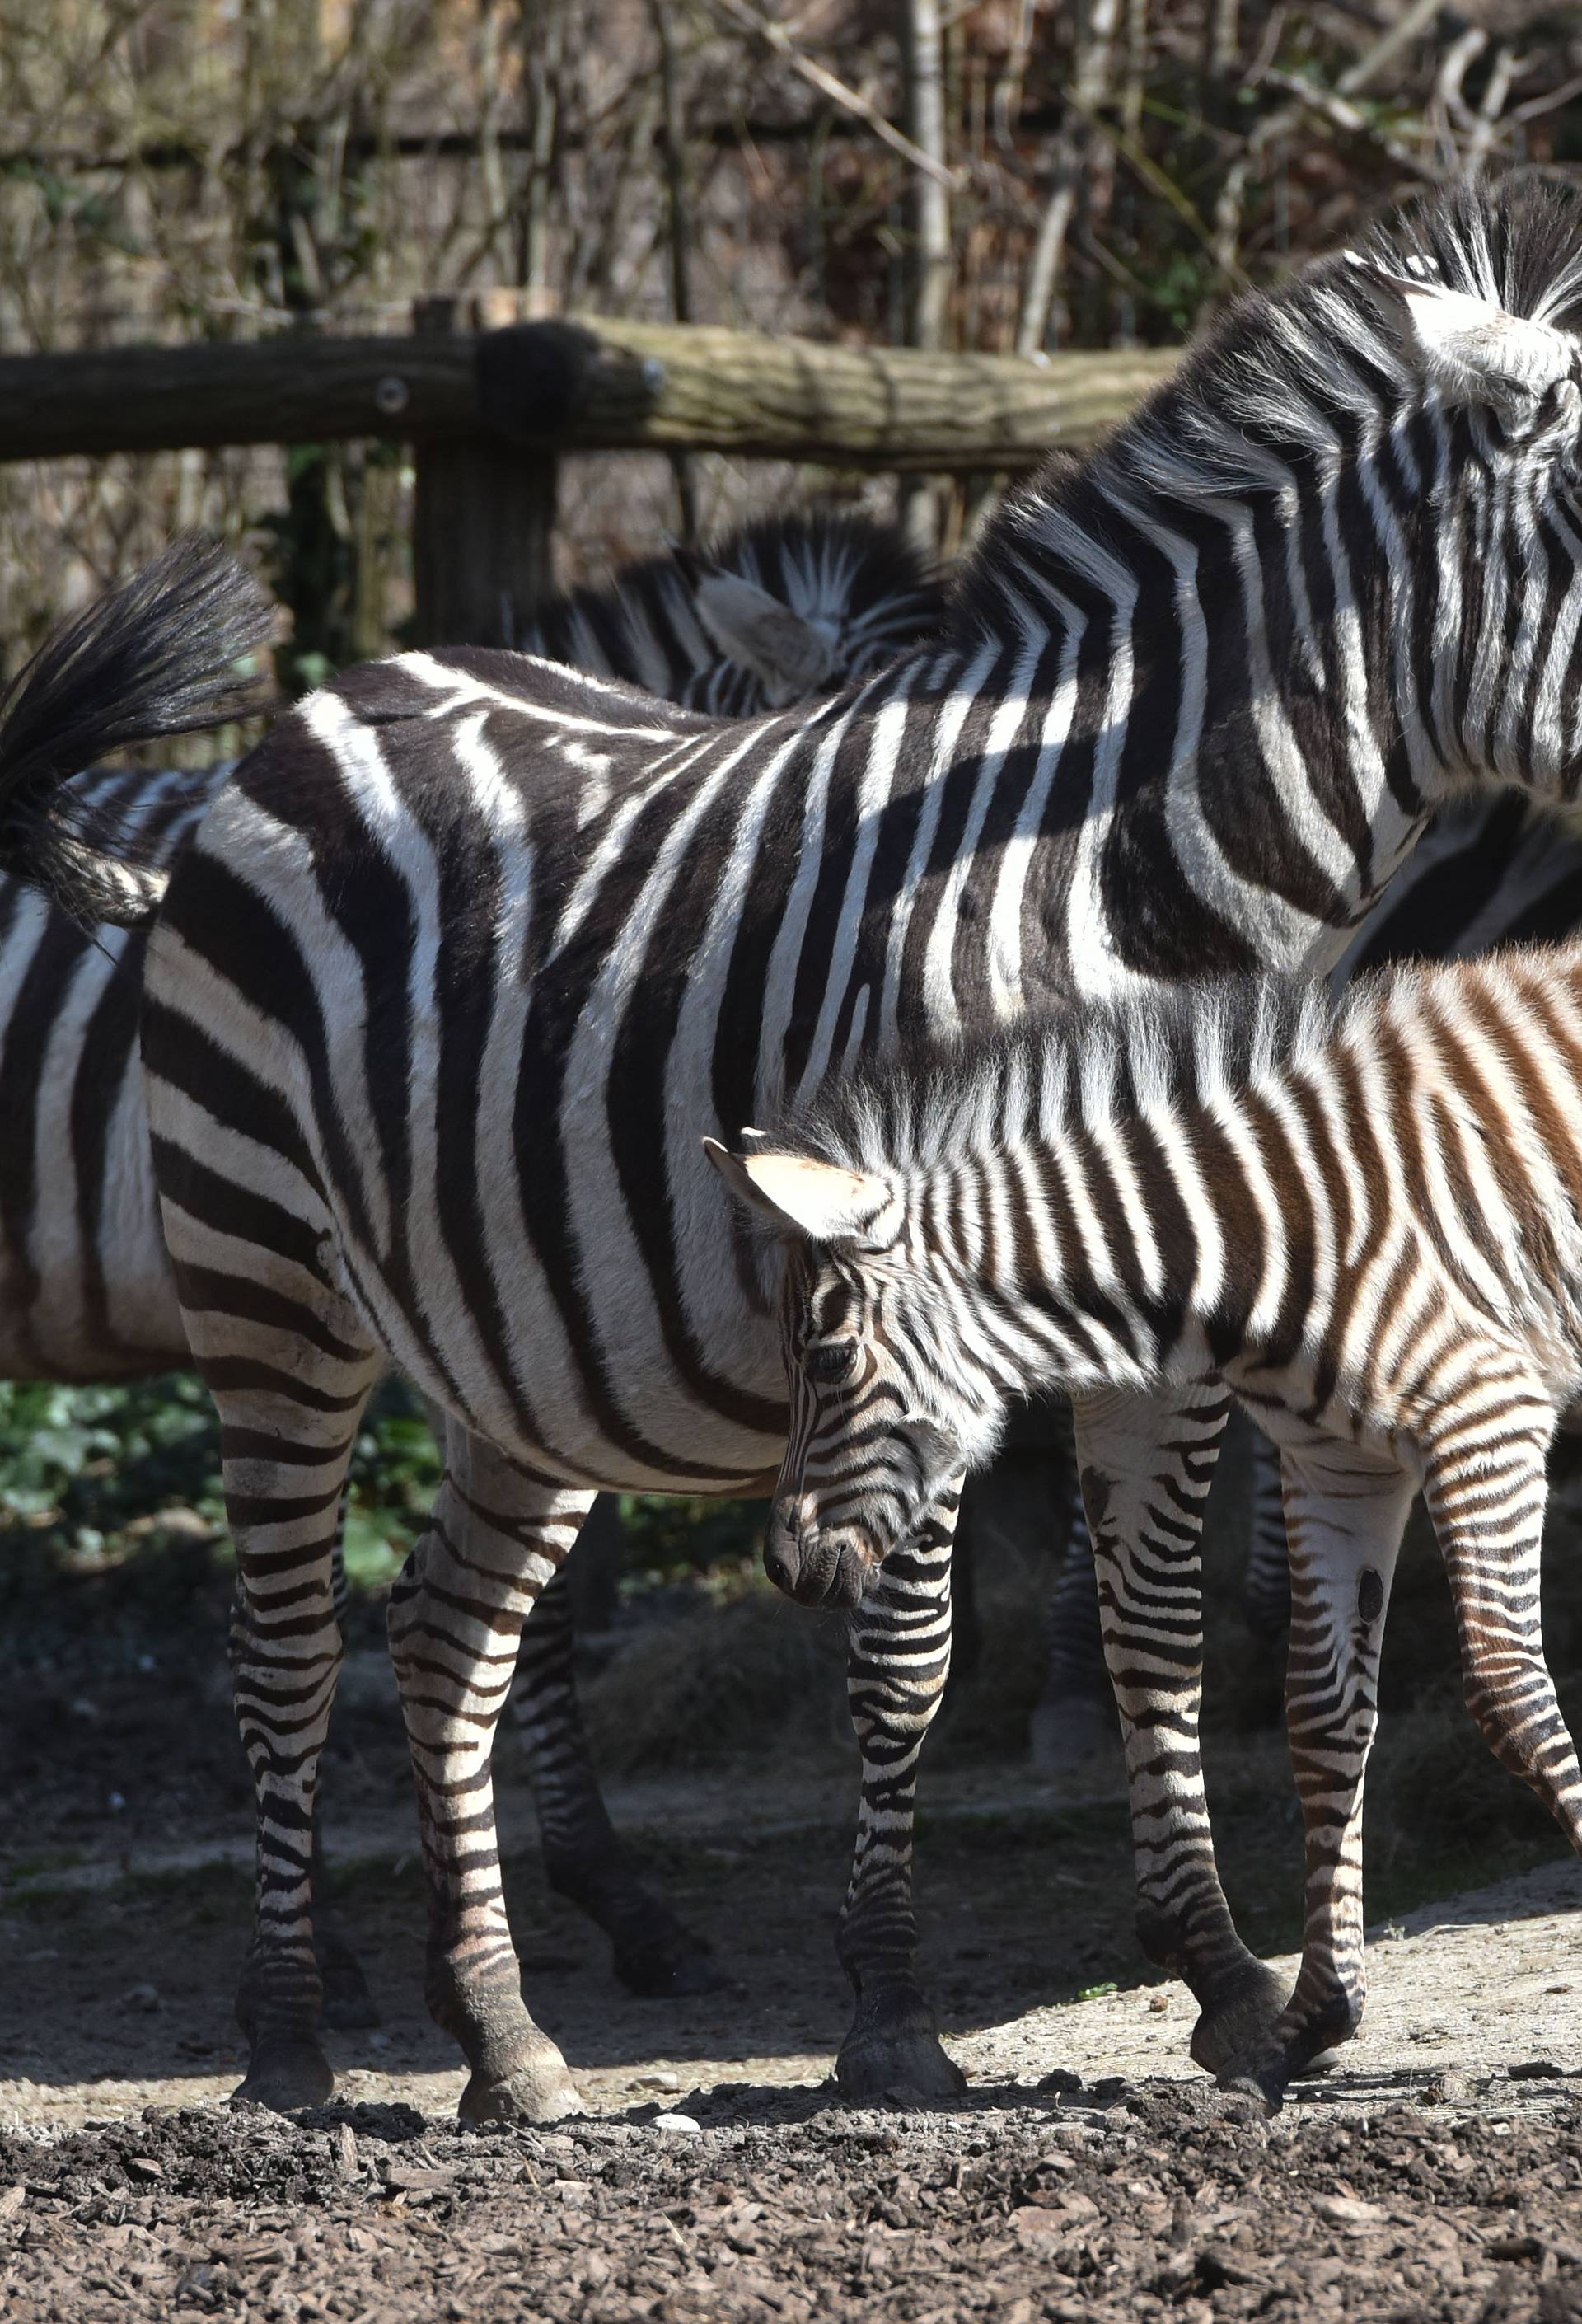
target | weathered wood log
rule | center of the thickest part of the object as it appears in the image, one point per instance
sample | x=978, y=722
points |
x=595, y=386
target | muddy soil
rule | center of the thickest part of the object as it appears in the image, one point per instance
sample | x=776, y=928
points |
x=1436, y=2174
x=1118, y=2201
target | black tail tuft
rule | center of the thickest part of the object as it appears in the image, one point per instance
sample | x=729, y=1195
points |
x=154, y=658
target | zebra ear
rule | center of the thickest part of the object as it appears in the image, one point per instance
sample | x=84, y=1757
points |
x=1472, y=350
x=759, y=634
x=818, y=1202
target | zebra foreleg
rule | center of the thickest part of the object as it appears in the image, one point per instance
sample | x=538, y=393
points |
x=1145, y=1468
x=1345, y=1514
x=654, y=1952
x=899, y=1661
x=1488, y=1518
x=496, y=1540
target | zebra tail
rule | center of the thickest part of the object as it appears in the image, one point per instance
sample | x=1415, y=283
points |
x=154, y=658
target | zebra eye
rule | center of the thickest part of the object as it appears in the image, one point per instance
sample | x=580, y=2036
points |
x=832, y=1362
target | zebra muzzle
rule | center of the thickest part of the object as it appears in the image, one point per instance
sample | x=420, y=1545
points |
x=815, y=1569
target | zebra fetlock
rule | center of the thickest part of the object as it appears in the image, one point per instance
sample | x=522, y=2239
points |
x=1369, y=1226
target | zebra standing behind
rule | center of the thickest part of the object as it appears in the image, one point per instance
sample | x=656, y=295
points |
x=783, y=606
x=1371, y=1228
x=429, y=1042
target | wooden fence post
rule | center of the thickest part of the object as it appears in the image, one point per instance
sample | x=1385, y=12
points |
x=483, y=510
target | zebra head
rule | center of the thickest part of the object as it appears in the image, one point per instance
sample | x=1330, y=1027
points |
x=887, y=1408
x=1367, y=488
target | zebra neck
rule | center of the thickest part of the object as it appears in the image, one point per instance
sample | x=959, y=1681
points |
x=1223, y=679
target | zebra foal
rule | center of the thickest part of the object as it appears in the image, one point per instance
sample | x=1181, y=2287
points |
x=469, y=950
x=1368, y=1224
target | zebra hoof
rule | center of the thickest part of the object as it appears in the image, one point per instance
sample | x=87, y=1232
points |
x=539, y=2089
x=677, y=1965
x=876, y=2066
x=1069, y=1732
x=1238, y=2026
x=284, y=2075
x=1257, y=2094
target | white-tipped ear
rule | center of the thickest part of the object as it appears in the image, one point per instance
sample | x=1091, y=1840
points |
x=759, y=634
x=818, y=1200
x=1473, y=351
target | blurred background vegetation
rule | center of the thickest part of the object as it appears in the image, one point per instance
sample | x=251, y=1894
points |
x=182, y=169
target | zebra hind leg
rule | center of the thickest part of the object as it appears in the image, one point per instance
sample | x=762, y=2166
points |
x=494, y=1541
x=1344, y=1512
x=655, y=1954
x=1146, y=1467
x=1266, y=1588
x=349, y=2007
x=1073, y=1720
x=899, y=1660
x=286, y=1442
x=1488, y=1516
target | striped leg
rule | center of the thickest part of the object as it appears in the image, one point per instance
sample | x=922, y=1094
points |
x=494, y=1541
x=1488, y=1508
x=1145, y=1469
x=1073, y=1719
x=655, y=1953
x=348, y=2005
x=1266, y=1588
x=286, y=1442
x=899, y=1661
x=1344, y=1512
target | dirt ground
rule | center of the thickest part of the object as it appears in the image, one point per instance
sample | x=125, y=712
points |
x=1435, y=2173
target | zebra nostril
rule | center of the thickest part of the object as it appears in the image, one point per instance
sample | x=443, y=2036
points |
x=782, y=1558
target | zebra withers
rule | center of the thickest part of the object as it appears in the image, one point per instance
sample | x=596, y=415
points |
x=1369, y=1225
x=429, y=1039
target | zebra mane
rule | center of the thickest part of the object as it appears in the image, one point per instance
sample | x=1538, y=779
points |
x=1267, y=382
x=815, y=561
x=1065, y=1066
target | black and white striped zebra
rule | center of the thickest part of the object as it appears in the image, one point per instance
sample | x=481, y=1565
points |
x=428, y=1043
x=805, y=602
x=1370, y=1227
x=1487, y=873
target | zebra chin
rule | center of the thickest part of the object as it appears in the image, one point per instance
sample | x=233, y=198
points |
x=817, y=1568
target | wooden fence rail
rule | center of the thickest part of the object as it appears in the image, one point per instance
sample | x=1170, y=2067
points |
x=488, y=402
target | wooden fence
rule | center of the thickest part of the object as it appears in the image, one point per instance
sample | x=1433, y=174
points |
x=490, y=400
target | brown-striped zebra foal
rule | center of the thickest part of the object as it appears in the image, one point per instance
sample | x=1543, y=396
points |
x=1367, y=1220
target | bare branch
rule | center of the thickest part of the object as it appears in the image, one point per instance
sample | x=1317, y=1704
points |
x=849, y=100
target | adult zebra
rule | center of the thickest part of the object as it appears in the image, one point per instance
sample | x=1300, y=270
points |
x=429, y=1045
x=779, y=608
